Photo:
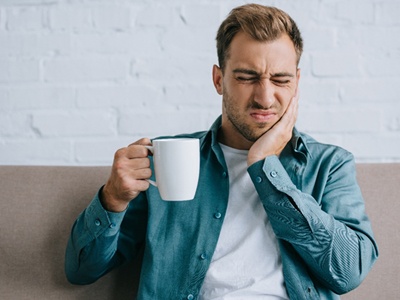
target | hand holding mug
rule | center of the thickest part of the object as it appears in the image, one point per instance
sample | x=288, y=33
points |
x=130, y=170
x=177, y=167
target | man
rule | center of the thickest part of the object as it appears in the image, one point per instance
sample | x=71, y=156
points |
x=276, y=214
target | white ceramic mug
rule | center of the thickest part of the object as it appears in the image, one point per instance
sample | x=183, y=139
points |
x=177, y=167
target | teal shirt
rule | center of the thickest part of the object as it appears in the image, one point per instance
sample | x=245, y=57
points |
x=310, y=194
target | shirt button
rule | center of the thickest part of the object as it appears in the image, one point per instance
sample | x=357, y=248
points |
x=203, y=256
x=97, y=222
x=224, y=174
x=217, y=215
x=190, y=297
x=112, y=225
x=258, y=179
x=273, y=174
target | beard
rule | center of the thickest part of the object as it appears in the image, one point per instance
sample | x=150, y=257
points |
x=250, y=132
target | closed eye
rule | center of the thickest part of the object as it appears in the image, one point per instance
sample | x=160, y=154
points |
x=247, y=79
x=281, y=81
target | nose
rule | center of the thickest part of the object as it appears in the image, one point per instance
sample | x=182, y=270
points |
x=264, y=93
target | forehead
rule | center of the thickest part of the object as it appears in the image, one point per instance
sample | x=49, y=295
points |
x=270, y=56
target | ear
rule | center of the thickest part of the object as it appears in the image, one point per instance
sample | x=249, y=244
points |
x=298, y=78
x=217, y=79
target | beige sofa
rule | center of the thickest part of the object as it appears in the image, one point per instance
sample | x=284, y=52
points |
x=39, y=204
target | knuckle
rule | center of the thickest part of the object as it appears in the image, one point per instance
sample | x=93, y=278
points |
x=120, y=153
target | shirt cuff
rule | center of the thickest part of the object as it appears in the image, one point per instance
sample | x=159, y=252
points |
x=271, y=180
x=271, y=170
x=100, y=221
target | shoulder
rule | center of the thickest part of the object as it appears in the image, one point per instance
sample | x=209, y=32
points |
x=324, y=151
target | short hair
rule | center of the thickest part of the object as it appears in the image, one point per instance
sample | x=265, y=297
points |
x=262, y=23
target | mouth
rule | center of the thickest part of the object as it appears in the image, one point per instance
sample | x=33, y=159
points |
x=262, y=116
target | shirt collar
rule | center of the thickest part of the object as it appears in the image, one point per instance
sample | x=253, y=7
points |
x=299, y=144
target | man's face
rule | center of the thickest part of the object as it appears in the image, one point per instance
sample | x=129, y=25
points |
x=258, y=82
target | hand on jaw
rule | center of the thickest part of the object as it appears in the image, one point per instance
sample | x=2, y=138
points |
x=275, y=139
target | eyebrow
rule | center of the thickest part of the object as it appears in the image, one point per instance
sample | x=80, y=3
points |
x=246, y=71
x=282, y=74
x=252, y=72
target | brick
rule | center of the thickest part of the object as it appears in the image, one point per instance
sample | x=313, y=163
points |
x=89, y=69
x=148, y=70
x=115, y=71
x=303, y=17
x=201, y=15
x=24, y=18
x=115, y=18
x=190, y=96
x=372, y=40
x=99, y=152
x=373, y=147
x=388, y=13
x=158, y=16
x=5, y=102
x=28, y=45
x=22, y=70
x=144, y=42
x=118, y=96
x=28, y=2
x=15, y=124
x=190, y=40
x=115, y=43
x=321, y=93
x=179, y=70
x=74, y=124
x=2, y=19
x=70, y=18
x=36, y=98
x=356, y=11
x=391, y=123
x=335, y=64
x=339, y=119
x=383, y=65
x=317, y=39
x=327, y=14
x=373, y=90
x=35, y=152
x=150, y=124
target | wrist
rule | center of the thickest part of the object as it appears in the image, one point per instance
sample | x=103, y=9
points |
x=110, y=203
x=253, y=159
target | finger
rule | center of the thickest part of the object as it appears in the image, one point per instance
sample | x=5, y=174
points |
x=287, y=116
x=142, y=141
x=141, y=174
x=142, y=185
x=136, y=151
x=292, y=109
x=139, y=163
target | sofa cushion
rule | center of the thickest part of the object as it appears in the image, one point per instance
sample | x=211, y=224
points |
x=39, y=204
x=38, y=207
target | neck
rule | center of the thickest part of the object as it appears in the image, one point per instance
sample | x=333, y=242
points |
x=235, y=140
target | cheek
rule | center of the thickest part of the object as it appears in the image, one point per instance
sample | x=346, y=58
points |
x=242, y=93
x=286, y=94
x=284, y=100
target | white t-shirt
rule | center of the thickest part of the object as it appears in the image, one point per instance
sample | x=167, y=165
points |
x=246, y=263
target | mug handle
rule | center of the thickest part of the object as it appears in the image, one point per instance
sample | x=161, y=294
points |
x=153, y=183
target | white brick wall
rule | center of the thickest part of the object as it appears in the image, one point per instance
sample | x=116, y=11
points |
x=80, y=79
